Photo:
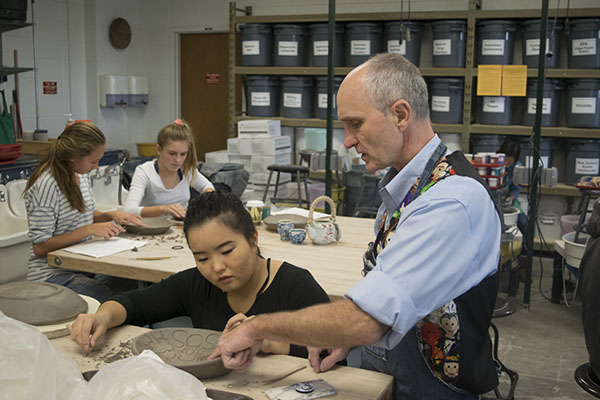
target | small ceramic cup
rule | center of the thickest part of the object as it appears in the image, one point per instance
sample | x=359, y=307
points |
x=297, y=236
x=284, y=228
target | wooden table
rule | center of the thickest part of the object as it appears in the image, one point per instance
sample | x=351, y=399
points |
x=336, y=266
x=351, y=383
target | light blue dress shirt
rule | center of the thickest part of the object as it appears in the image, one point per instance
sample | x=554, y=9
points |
x=446, y=242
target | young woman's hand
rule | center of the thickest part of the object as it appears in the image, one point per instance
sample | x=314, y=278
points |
x=125, y=218
x=176, y=210
x=105, y=230
x=86, y=330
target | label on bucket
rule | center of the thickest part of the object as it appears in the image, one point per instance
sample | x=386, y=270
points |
x=532, y=46
x=360, y=47
x=287, y=48
x=440, y=103
x=250, y=47
x=493, y=104
x=442, y=47
x=322, y=100
x=546, y=105
x=320, y=47
x=584, y=47
x=492, y=47
x=543, y=159
x=587, y=166
x=583, y=105
x=394, y=46
x=260, y=99
x=292, y=100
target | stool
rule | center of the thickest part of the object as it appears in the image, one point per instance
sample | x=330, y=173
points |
x=368, y=199
x=587, y=379
x=301, y=174
x=503, y=308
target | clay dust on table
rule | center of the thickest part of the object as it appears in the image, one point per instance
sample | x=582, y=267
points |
x=115, y=353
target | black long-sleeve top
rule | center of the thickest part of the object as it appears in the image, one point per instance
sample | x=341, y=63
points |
x=188, y=293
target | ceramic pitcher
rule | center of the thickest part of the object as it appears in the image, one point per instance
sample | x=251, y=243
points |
x=324, y=230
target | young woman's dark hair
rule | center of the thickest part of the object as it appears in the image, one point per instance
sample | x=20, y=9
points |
x=223, y=206
x=510, y=148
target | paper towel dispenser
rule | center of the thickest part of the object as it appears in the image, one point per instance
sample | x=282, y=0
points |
x=137, y=90
x=113, y=91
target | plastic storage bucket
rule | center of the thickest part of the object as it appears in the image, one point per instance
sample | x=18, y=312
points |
x=486, y=143
x=289, y=45
x=447, y=100
x=449, y=43
x=584, y=43
x=257, y=42
x=297, y=96
x=551, y=102
x=530, y=50
x=545, y=152
x=363, y=40
x=262, y=95
x=582, y=158
x=319, y=45
x=583, y=108
x=495, y=110
x=321, y=103
x=495, y=42
x=409, y=47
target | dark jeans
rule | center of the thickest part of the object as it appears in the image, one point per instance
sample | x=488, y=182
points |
x=98, y=286
x=413, y=379
x=522, y=225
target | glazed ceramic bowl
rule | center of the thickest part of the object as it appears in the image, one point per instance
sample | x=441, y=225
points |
x=154, y=226
x=184, y=348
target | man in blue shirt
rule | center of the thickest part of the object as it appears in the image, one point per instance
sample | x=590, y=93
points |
x=425, y=304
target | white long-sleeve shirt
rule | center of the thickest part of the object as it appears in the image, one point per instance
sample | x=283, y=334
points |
x=147, y=189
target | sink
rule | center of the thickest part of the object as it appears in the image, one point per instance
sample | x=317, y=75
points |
x=14, y=242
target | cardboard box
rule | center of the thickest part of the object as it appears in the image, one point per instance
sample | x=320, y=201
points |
x=259, y=128
x=260, y=163
x=217, y=157
x=244, y=160
x=233, y=146
x=271, y=146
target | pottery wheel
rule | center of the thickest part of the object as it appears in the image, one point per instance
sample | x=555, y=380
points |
x=40, y=303
x=184, y=348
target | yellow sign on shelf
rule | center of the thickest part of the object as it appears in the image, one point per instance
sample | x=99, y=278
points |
x=501, y=80
x=489, y=80
x=514, y=80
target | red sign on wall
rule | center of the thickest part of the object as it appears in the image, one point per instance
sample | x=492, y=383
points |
x=212, y=79
x=50, y=87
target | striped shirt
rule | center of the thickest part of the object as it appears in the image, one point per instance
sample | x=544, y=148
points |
x=49, y=214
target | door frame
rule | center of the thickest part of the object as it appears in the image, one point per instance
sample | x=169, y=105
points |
x=176, y=62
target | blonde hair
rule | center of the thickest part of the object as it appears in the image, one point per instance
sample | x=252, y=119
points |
x=77, y=140
x=180, y=131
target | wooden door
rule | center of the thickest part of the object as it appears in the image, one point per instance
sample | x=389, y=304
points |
x=204, y=89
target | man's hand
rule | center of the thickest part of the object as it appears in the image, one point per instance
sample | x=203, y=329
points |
x=237, y=345
x=319, y=364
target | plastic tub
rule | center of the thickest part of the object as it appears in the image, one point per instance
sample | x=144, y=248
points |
x=289, y=45
x=486, y=143
x=262, y=95
x=257, y=45
x=546, y=147
x=447, y=100
x=550, y=104
x=147, y=149
x=530, y=50
x=319, y=45
x=495, y=110
x=297, y=96
x=574, y=250
x=408, y=47
x=583, y=108
x=363, y=40
x=584, y=43
x=321, y=103
x=495, y=42
x=449, y=43
x=582, y=158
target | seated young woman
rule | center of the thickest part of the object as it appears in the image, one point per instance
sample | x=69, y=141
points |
x=162, y=186
x=230, y=277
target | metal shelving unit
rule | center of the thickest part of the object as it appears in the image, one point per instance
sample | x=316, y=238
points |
x=6, y=26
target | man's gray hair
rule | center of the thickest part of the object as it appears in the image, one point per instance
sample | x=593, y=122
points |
x=390, y=77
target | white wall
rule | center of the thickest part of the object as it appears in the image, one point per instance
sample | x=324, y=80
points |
x=152, y=52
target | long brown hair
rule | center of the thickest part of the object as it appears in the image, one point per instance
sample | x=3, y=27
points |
x=180, y=131
x=77, y=140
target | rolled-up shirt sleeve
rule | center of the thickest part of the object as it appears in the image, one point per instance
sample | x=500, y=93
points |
x=439, y=251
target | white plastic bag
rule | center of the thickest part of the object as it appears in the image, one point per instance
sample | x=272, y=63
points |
x=30, y=367
x=143, y=377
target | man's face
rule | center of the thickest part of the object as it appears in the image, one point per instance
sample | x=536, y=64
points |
x=374, y=135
